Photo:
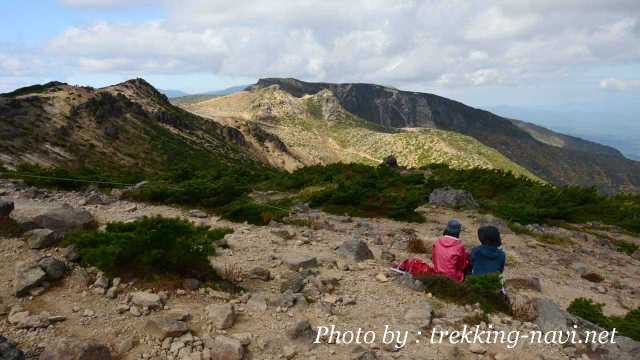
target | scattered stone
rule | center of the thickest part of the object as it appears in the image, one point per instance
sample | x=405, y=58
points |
x=53, y=267
x=41, y=238
x=289, y=352
x=381, y=277
x=260, y=273
x=355, y=249
x=227, y=348
x=294, y=282
x=112, y=293
x=146, y=299
x=27, y=276
x=477, y=349
x=9, y=350
x=301, y=262
x=592, y=276
x=126, y=345
x=162, y=327
x=454, y=198
x=191, y=284
x=580, y=268
x=283, y=233
x=122, y=308
x=636, y=254
x=301, y=329
x=550, y=317
x=102, y=281
x=75, y=349
x=71, y=253
x=64, y=219
x=257, y=303
x=197, y=214
x=221, y=315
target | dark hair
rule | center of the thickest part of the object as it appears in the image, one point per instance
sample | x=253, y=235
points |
x=451, y=233
x=489, y=235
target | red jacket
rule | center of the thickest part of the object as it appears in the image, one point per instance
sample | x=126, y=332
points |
x=449, y=257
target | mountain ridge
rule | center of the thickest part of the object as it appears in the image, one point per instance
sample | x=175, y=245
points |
x=395, y=108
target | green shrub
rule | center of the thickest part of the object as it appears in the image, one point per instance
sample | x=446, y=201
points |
x=151, y=245
x=476, y=289
x=625, y=246
x=628, y=325
x=74, y=179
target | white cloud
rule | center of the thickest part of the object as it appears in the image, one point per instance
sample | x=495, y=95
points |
x=453, y=43
x=620, y=85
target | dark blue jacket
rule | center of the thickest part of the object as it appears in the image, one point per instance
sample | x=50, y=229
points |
x=487, y=259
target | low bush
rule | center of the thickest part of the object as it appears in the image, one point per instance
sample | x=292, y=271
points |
x=625, y=247
x=628, y=325
x=476, y=289
x=150, y=246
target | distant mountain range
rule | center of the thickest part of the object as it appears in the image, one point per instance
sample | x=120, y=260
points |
x=179, y=93
x=620, y=130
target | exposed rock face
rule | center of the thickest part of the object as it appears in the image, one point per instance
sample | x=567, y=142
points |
x=53, y=267
x=578, y=162
x=222, y=315
x=162, y=326
x=65, y=219
x=74, y=349
x=227, y=348
x=150, y=300
x=453, y=198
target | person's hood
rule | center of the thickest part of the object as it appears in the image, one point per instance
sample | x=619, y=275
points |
x=489, y=251
x=449, y=241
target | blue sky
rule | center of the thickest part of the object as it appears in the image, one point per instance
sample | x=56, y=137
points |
x=549, y=54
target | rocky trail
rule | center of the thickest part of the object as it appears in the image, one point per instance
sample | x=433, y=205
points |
x=294, y=279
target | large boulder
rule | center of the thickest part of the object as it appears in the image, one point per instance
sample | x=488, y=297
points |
x=64, y=219
x=76, y=349
x=301, y=262
x=27, y=276
x=41, y=238
x=356, y=250
x=146, y=299
x=454, y=198
x=162, y=327
x=227, y=348
x=53, y=267
x=221, y=315
x=9, y=351
x=6, y=207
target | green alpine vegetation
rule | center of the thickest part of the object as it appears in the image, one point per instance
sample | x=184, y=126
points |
x=627, y=325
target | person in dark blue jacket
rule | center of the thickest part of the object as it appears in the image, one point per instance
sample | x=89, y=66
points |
x=488, y=257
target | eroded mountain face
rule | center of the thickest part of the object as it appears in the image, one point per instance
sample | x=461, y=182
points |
x=130, y=124
x=571, y=161
x=290, y=132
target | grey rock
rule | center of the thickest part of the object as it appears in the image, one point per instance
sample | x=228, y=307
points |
x=162, y=327
x=71, y=253
x=197, y=214
x=41, y=238
x=580, y=268
x=454, y=198
x=301, y=330
x=9, y=350
x=301, y=262
x=227, y=348
x=260, y=273
x=355, y=249
x=636, y=254
x=127, y=344
x=283, y=233
x=27, y=276
x=146, y=299
x=294, y=282
x=551, y=316
x=102, y=281
x=54, y=268
x=75, y=349
x=490, y=220
x=64, y=219
x=221, y=315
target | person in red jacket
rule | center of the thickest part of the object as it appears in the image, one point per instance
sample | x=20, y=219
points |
x=448, y=255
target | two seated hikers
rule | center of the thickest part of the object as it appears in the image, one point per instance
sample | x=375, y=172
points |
x=450, y=258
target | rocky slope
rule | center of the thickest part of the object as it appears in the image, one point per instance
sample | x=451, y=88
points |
x=293, y=277
x=561, y=160
x=130, y=125
x=292, y=131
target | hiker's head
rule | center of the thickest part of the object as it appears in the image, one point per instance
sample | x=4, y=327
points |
x=453, y=228
x=489, y=235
